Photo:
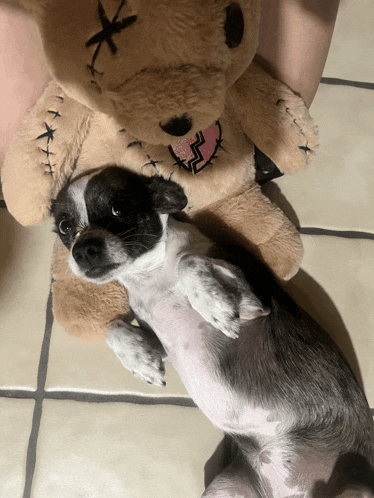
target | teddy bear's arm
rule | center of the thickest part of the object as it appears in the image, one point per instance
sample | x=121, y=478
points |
x=42, y=154
x=84, y=309
x=275, y=119
x=251, y=219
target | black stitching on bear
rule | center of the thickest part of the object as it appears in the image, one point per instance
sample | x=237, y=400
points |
x=134, y=143
x=110, y=28
x=56, y=114
x=47, y=152
x=49, y=136
x=305, y=148
x=93, y=70
x=152, y=162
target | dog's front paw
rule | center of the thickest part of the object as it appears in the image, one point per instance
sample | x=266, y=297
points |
x=150, y=368
x=136, y=353
x=215, y=300
x=219, y=292
x=220, y=309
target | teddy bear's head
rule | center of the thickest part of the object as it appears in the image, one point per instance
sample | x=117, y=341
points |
x=161, y=68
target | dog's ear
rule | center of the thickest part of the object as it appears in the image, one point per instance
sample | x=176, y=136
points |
x=167, y=196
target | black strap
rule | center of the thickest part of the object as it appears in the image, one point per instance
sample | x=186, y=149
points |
x=266, y=170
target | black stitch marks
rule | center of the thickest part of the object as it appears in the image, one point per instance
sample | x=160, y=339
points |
x=110, y=28
x=134, y=143
x=49, y=136
x=151, y=163
x=305, y=147
x=56, y=114
x=138, y=143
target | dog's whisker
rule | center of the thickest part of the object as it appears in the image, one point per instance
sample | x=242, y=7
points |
x=138, y=235
x=125, y=232
x=135, y=244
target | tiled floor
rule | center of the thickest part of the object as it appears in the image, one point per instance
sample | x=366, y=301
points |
x=75, y=424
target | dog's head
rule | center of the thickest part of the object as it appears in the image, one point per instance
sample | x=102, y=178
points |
x=111, y=217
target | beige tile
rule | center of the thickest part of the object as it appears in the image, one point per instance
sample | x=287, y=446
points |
x=351, y=54
x=77, y=365
x=336, y=287
x=91, y=450
x=336, y=191
x=15, y=423
x=25, y=260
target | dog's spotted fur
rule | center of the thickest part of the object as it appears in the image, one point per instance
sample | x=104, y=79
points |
x=260, y=368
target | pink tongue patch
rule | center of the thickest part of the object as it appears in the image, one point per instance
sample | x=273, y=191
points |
x=193, y=154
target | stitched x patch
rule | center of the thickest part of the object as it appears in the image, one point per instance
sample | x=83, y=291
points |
x=110, y=28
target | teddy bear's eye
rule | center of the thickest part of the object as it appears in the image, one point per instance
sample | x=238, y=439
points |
x=234, y=25
x=64, y=227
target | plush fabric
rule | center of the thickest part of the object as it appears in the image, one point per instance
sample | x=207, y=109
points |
x=161, y=88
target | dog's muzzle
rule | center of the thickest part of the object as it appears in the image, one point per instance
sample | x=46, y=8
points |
x=89, y=252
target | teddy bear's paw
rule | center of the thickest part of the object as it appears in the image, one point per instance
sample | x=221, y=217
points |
x=136, y=352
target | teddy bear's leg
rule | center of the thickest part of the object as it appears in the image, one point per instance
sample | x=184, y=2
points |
x=252, y=220
x=42, y=155
x=84, y=309
x=276, y=120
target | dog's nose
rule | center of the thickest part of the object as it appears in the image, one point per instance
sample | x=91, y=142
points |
x=177, y=126
x=88, y=252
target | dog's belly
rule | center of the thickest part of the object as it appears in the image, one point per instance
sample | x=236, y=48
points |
x=185, y=336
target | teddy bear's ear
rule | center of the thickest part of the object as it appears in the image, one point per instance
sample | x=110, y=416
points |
x=167, y=196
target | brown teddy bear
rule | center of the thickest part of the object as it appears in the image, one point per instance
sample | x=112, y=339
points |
x=163, y=87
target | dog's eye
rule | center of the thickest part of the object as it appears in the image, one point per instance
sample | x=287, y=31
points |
x=117, y=210
x=64, y=227
x=234, y=25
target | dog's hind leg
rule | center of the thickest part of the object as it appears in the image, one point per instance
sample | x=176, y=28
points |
x=138, y=351
x=236, y=481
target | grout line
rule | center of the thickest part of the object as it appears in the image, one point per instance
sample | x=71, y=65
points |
x=103, y=398
x=137, y=399
x=347, y=234
x=339, y=81
x=39, y=396
x=86, y=397
x=17, y=394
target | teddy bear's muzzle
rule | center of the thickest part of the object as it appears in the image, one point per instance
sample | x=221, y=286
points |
x=162, y=106
x=177, y=126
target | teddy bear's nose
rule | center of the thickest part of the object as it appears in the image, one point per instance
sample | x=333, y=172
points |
x=177, y=126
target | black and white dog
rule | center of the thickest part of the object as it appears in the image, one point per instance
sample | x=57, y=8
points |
x=255, y=363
